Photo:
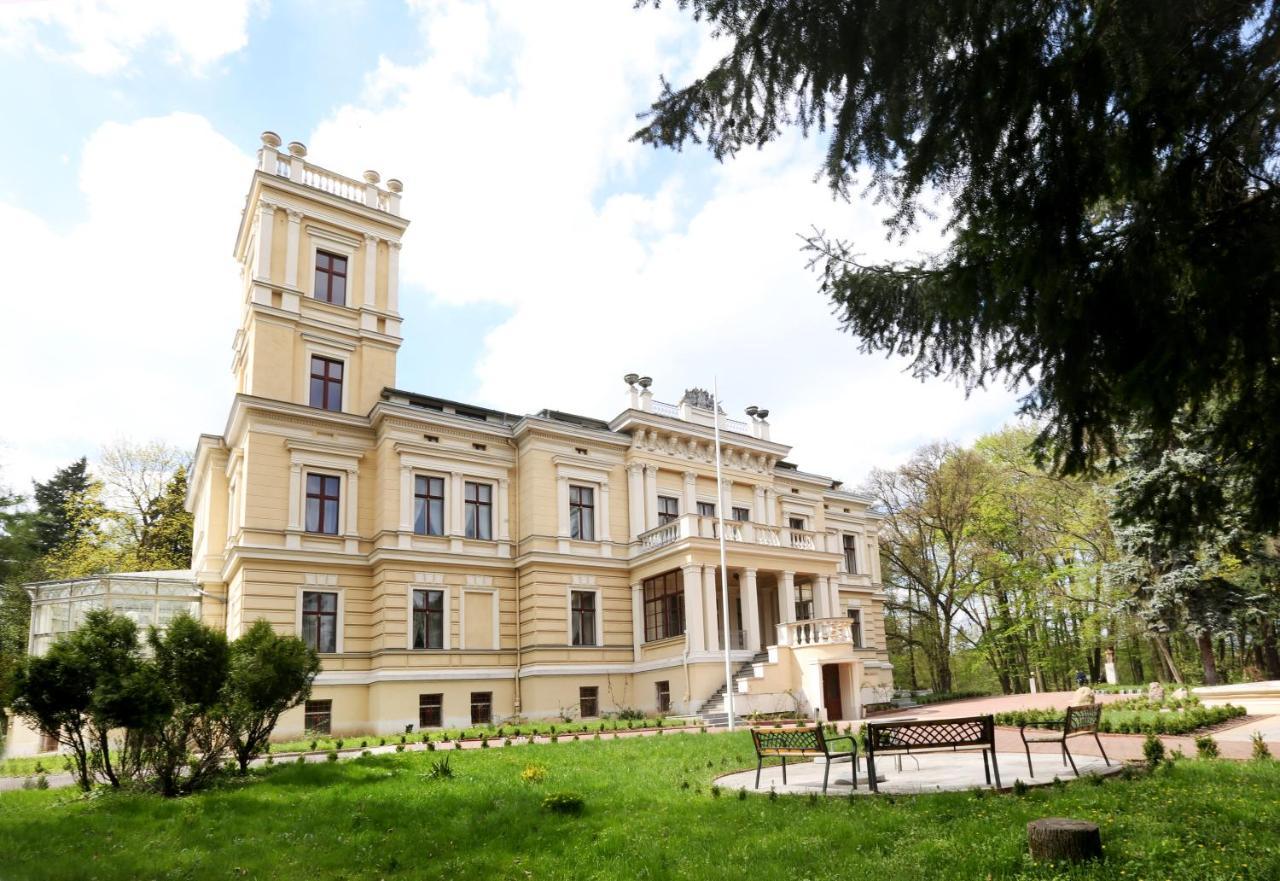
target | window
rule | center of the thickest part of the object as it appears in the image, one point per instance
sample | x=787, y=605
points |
x=481, y=707
x=588, y=701
x=706, y=509
x=804, y=602
x=850, y=553
x=320, y=620
x=428, y=619
x=795, y=522
x=479, y=510
x=582, y=617
x=331, y=278
x=855, y=616
x=326, y=383
x=582, y=513
x=428, y=505
x=663, y=606
x=663, y=689
x=668, y=509
x=322, y=504
x=430, y=710
x=742, y=515
x=318, y=717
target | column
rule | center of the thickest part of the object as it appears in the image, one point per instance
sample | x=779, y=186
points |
x=291, y=253
x=833, y=585
x=266, y=226
x=715, y=630
x=650, y=496
x=758, y=513
x=821, y=597
x=393, y=277
x=353, y=501
x=406, y=498
x=504, y=509
x=690, y=505
x=604, y=535
x=635, y=499
x=787, y=596
x=457, y=525
x=366, y=297
x=562, y=506
x=771, y=507
x=295, y=496
x=751, y=609
x=725, y=500
x=637, y=619
x=693, y=626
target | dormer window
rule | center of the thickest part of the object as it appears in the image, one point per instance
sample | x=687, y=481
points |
x=331, y=278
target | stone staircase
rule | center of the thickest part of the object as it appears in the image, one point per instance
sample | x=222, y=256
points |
x=713, y=711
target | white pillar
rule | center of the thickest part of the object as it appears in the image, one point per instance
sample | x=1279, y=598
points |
x=295, y=496
x=266, y=226
x=353, y=501
x=714, y=628
x=725, y=500
x=758, y=512
x=821, y=597
x=504, y=509
x=291, y=254
x=637, y=619
x=833, y=585
x=457, y=525
x=692, y=577
x=690, y=493
x=650, y=496
x=366, y=297
x=562, y=506
x=751, y=609
x=771, y=507
x=393, y=277
x=787, y=596
x=406, y=499
x=635, y=498
x=604, y=535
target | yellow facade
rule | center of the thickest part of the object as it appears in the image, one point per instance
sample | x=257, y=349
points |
x=508, y=573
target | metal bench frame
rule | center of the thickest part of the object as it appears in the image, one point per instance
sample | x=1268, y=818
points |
x=807, y=742
x=1078, y=721
x=933, y=735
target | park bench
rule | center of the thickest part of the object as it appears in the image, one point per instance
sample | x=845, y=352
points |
x=914, y=736
x=805, y=742
x=1078, y=721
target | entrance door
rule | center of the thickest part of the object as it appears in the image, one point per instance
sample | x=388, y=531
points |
x=831, y=691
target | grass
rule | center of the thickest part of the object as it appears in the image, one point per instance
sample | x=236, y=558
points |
x=647, y=811
x=25, y=766
x=1140, y=716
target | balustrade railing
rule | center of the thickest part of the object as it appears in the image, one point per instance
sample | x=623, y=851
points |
x=817, y=631
x=739, y=531
x=294, y=166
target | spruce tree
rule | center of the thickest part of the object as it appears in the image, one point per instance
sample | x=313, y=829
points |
x=56, y=503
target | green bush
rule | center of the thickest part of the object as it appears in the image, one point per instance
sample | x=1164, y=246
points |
x=1206, y=747
x=440, y=769
x=332, y=755
x=1153, y=750
x=568, y=803
x=1261, y=751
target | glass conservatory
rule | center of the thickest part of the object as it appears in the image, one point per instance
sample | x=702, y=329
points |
x=146, y=597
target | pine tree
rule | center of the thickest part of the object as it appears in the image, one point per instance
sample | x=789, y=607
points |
x=56, y=500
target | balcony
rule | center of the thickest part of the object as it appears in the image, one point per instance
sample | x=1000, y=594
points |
x=819, y=631
x=688, y=526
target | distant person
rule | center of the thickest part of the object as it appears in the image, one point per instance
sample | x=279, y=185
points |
x=1081, y=679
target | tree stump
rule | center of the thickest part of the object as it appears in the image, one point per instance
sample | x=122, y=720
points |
x=1059, y=838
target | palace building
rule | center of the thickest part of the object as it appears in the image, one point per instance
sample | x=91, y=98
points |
x=454, y=564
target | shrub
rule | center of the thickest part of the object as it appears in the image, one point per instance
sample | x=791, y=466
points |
x=382, y=741
x=506, y=741
x=364, y=753
x=399, y=747
x=440, y=769
x=1261, y=751
x=629, y=713
x=301, y=760
x=715, y=791
x=267, y=674
x=742, y=795
x=332, y=755
x=533, y=773
x=314, y=744
x=1206, y=747
x=338, y=744
x=567, y=803
x=364, y=744
x=1153, y=750
x=430, y=746
x=42, y=782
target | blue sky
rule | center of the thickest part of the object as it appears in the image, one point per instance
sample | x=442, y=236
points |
x=547, y=257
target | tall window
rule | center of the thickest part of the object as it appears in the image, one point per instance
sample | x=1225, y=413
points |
x=668, y=509
x=588, y=701
x=804, y=602
x=326, y=383
x=706, y=509
x=582, y=513
x=322, y=503
x=855, y=619
x=850, y=553
x=430, y=710
x=582, y=616
x=320, y=620
x=663, y=606
x=428, y=619
x=742, y=515
x=479, y=510
x=663, y=693
x=795, y=522
x=428, y=505
x=481, y=707
x=331, y=278
x=317, y=716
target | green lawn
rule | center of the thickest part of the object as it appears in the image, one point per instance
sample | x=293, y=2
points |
x=650, y=814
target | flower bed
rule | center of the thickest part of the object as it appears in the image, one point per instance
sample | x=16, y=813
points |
x=1139, y=715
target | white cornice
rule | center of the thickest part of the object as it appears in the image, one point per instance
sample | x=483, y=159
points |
x=629, y=419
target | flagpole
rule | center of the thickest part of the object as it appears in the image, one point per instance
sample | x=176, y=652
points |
x=724, y=568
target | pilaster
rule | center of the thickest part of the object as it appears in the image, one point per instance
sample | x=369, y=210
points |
x=693, y=618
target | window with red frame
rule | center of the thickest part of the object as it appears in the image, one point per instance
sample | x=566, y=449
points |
x=331, y=278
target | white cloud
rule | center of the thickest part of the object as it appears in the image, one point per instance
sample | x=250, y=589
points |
x=506, y=156
x=122, y=325
x=102, y=36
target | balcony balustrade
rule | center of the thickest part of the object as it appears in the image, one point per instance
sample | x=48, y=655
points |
x=739, y=531
x=819, y=631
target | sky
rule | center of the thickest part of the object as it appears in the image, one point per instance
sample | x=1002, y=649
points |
x=548, y=255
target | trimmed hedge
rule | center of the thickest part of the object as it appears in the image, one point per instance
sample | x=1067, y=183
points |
x=1183, y=719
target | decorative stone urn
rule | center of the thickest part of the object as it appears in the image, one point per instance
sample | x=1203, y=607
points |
x=1083, y=697
x=1155, y=691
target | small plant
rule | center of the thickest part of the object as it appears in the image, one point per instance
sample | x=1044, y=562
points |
x=1206, y=747
x=567, y=803
x=715, y=791
x=742, y=795
x=338, y=745
x=1153, y=750
x=506, y=741
x=773, y=794
x=440, y=769
x=431, y=747
x=314, y=744
x=484, y=743
x=382, y=741
x=399, y=747
x=301, y=760
x=684, y=784
x=426, y=738
x=555, y=738
x=333, y=755
x=271, y=760
x=1019, y=788
x=364, y=744
x=42, y=781
x=403, y=739
x=1261, y=752
x=365, y=753
x=533, y=773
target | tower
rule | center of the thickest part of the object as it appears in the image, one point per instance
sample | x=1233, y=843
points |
x=319, y=256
